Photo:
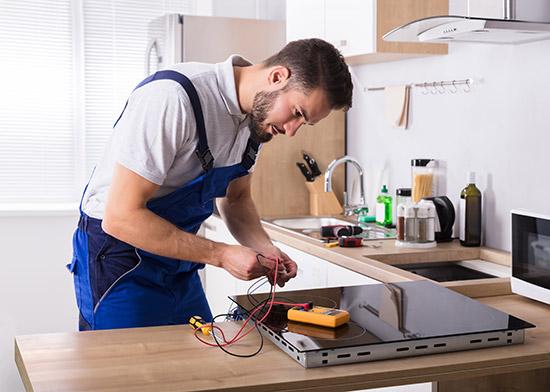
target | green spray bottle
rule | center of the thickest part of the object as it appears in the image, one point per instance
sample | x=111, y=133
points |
x=384, y=208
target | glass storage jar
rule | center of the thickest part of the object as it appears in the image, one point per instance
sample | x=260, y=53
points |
x=423, y=182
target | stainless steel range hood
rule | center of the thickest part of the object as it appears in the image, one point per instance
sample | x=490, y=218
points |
x=487, y=21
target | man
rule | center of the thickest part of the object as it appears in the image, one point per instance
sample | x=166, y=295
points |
x=189, y=135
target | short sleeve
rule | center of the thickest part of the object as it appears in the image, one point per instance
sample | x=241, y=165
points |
x=154, y=127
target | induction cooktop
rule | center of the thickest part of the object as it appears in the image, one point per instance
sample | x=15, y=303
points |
x=388, y=320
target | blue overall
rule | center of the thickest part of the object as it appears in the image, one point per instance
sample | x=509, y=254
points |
x=120, y=286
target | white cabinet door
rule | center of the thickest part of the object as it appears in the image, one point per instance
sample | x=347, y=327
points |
x=350, y=25
x=339, y=276
x=312, y=271
x=305, y=19
x=216, y=230
x=218, y=283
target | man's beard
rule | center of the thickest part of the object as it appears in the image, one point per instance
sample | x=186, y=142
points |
x=261, y=106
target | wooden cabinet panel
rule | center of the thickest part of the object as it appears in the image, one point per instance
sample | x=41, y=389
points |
x=394, y=13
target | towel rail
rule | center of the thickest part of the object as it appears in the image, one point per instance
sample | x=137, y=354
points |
x=436, y=87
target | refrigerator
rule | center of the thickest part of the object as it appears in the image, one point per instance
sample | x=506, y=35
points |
x=176, y=38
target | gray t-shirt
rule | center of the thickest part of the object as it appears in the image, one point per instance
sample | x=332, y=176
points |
x=156, y=136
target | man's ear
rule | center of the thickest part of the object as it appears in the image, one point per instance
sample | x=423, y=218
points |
x=279, y=75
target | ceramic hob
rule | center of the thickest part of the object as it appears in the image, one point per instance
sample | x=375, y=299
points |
x=388, y=320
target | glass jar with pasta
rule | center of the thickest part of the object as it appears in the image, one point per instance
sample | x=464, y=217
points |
x=423, y=179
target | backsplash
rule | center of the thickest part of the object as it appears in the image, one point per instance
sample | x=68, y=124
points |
x=500, y=129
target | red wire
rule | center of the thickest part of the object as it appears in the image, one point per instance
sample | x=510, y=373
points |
x=238, y=335
x=254, y=311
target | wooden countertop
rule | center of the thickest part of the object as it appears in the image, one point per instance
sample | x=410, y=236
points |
x=378, y=259
x=170, y=358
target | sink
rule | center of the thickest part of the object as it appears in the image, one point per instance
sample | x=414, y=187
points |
x=308, y=223
x=310, y=226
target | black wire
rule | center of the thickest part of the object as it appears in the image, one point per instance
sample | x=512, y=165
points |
x=249, y=292
x=256, y=285
x=254, y=318
x=229, y=352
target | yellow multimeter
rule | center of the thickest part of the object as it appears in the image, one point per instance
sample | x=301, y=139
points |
x=318, y=315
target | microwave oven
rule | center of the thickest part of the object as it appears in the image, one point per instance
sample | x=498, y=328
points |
x=531, y=255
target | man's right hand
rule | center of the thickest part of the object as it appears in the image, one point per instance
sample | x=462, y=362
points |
x=242, y=262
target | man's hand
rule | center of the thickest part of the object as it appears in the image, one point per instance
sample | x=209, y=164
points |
x=247, y=264
x=286, y=269
x=239, y=213
x=242, y=262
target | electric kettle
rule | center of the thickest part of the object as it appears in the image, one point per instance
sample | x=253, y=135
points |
x=444, y=218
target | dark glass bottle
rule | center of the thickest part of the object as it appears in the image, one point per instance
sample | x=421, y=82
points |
x=470, y=213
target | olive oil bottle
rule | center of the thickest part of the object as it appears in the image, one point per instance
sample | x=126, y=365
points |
x=470, y=213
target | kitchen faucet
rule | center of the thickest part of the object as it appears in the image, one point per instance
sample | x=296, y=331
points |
x=348, y=209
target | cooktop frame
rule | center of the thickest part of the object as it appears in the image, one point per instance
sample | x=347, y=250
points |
x=412, y=346
x=379, y=351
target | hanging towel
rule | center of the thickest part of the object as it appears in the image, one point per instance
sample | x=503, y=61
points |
x=397, y=102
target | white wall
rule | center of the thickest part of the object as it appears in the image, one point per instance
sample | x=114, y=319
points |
x=500, y=130
x=36, y=292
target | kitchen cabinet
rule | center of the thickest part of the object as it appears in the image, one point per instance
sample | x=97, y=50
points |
x=356, y=27
x=333, y=21
x=313, y=272
x=218, y=283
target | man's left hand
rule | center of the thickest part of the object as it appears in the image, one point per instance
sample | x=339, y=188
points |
x=286, y=269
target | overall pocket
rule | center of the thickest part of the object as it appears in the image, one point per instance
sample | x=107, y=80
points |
x=79, y=268
x=112, y=260
x=72, y=265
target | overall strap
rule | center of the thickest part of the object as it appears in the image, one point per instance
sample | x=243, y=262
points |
x=250, y=153
x=202, y=150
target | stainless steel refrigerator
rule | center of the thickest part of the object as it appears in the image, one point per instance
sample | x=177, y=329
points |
x=178, y=38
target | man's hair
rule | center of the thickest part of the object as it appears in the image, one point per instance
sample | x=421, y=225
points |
x=315, y=63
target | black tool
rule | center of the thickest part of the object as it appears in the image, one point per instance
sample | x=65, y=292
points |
x=313, y=167
x=307, y=174
x=335, y=231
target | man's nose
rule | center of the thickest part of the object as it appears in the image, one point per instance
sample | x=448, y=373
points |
x=291, y=127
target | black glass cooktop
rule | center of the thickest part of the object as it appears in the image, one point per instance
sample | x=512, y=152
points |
x=383, y=313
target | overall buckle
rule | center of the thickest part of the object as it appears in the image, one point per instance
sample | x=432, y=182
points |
x=206, y=158
x=250, y=153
